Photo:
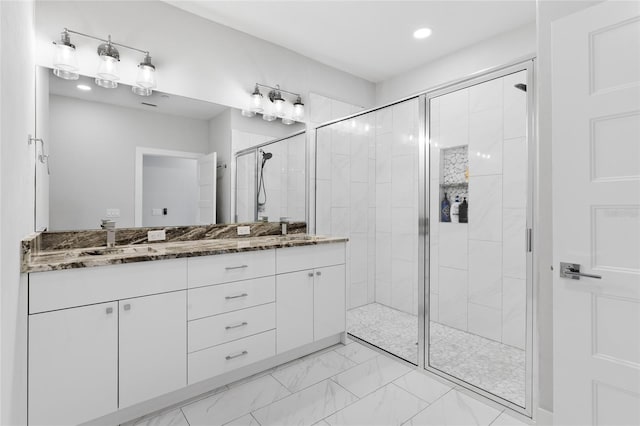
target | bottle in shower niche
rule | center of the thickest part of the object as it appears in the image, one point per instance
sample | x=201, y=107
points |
x=455, y=210
x=463, y=211
x=445, y=209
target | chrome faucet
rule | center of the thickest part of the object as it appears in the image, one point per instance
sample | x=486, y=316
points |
x=110, y=226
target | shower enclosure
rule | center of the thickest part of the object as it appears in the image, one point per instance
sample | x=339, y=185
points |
x=434, y=193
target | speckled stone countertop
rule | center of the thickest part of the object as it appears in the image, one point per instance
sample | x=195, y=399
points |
x=66, y=256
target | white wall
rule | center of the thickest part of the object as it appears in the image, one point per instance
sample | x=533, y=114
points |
x=92, y=159
x=547, y=12
x=16, y=199
x=194, y=57
x=42, y=132
x=220, y=143
x=170, y=183
x=486, y=54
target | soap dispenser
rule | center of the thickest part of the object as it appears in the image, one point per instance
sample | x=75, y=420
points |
x=463, y=212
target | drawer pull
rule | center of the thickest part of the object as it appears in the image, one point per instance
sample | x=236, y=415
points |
x=230, y=268
x=228, y=357
x=242, y=324
x=236, y=296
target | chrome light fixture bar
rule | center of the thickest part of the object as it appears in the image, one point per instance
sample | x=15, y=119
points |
x=65, y=63
x=277, y=106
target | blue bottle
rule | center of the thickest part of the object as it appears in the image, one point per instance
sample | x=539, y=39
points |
x=445, y=209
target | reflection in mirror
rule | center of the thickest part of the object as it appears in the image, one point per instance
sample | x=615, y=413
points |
x=161, y=160
x=270, y=181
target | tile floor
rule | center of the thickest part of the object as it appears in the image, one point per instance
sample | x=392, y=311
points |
x=490, y=365
x=342, y=385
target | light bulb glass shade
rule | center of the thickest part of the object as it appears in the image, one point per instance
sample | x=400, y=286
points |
x=248, y=113
x=65, y=63
x=268, y=117
x=146, y=76
x=107, y=70
x=278, y=105
x=298, y=110
x=141, y=91
x=255, y=104
x=107, y=84
x=288, y=121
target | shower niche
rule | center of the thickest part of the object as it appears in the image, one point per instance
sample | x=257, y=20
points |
x=454, y=184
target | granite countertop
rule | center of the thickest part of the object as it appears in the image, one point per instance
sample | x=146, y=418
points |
x=72, y=258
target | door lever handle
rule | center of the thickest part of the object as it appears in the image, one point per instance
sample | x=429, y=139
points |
x=572, y=271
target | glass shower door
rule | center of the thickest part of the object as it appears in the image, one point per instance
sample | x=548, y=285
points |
x=478, y=257
x=367, y=190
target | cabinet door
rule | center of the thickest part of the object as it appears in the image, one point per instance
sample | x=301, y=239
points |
x=294, y=310
x=329, y=301
x=73, y=364
x=153, y=346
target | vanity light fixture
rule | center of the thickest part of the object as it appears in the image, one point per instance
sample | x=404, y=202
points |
x=65, y=63
x=107, y=76
x=422, y=33
x=278, y=106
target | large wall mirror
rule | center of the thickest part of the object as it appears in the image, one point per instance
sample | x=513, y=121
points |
x=160, y=160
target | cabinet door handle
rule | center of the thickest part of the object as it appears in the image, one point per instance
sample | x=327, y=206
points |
x=318, y=273
x=228, y=357
x=310, y=274
x=109, y=311
x=242, y=324
x=236, y=296
x=127, y=307
x=230, y=268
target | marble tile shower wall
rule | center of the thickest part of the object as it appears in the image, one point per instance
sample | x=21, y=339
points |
x=478, y=269
x=367, y=190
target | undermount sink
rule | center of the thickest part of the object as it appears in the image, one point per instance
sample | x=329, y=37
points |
x=123, y=250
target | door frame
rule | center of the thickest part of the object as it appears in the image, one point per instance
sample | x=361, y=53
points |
x=531, y=346
x=141, y=151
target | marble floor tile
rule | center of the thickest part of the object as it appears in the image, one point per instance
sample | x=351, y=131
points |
x=505, y=419
x=422, y=386
x=306, y=407
x=455, y=409
x=371, y=375
x=312, y=370
x=486, y=363
x=171, y=418
x=387, y=406
x=357, y=353
x=246, y=420
x=235, y=402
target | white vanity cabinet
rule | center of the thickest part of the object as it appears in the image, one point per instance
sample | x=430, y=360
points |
x=311, y=294
x=73, y=364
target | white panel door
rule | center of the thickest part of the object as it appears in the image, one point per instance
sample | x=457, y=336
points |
x=207, y=189
x=153, y=346
x=596, y=210
x=329, y=302
x=73, y=364
x=294, y=310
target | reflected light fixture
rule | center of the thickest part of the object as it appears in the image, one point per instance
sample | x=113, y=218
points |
x=65, y=63
x=422, y=33
x=278, y=106
x=84, y=87
x=146, y=80
x=107, y=74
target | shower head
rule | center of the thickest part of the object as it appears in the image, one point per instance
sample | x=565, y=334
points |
x=266, y=155
x=521, y=86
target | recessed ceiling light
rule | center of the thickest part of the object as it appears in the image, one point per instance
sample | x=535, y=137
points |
x=83, y=87
x=422, y=33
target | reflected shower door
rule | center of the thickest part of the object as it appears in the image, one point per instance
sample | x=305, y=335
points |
x=367, y=190
x=478, y=259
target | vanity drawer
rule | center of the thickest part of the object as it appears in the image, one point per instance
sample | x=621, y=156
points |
x=221, y=298
x=224, y=268
x=293, y=259
x=84, y=286
x=212, y=331
x=230, y=356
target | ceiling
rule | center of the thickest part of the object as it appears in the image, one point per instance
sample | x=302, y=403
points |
x=370, y=39
x=122, y=96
